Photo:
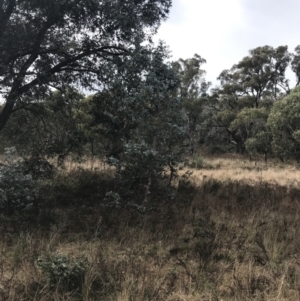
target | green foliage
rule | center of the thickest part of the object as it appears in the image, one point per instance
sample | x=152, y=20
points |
x=238, y=110
x=193, y=90
x=50, y=128
x=63, y=273
x=260, y=144
x=141, y=121
x=77, y=188
x=62, y=133
x=284, y=124
x=295, y=64
x=251, y=123
x=258, y=76
x=198, y=162
x=206, y=243
x=17, y=189
x=57, y=43
x=39, y=167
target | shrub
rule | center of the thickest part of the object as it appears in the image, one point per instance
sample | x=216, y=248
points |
x=39, y=167
x=17, y=189
x=199, y=163
x=62, y=272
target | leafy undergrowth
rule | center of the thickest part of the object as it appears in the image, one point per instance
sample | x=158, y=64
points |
x=218, y=241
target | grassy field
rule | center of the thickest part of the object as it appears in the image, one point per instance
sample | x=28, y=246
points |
x=232, y=233
x=241, y=169
x=229, y=167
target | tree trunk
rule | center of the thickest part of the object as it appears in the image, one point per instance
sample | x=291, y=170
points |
x=6, y=113
x=266, y=157
x=147, y=191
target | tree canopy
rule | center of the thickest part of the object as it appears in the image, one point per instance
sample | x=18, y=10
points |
x=45, y=44
x=284, y=124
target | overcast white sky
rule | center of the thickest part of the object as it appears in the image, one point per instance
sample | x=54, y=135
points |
x=223, y=31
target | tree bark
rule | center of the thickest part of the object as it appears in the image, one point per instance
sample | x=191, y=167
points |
x=6, y=113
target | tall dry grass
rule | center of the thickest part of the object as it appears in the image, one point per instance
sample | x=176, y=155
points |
x=242, y=169
x=218, y=239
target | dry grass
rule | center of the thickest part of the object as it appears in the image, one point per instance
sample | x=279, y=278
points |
x=87, y=163
x=209, y=250
x=242, y=169
x=220, y=240
x=235, y=168
x=229, y=167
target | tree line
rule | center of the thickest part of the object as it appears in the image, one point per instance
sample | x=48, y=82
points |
x=253, y=111
x=148, y=97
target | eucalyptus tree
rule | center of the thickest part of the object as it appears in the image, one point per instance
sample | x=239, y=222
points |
x=284, y=124
x=193, y=90
x=142, y=121
x=296, y=64
x=252, y=123
x=256, y=77
x=256, y=82
x=46, y=44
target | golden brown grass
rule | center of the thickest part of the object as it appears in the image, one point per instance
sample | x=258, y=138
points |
x=86, y=163
x=204, y=251
x=242, y=169
x=220, y=240
x=234, y=167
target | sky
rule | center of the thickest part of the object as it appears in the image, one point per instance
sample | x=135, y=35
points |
x=223, y=32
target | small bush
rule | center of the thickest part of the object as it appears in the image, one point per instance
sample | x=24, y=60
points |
x=206, y=243
x=17, y=189
x=199, y=163
x=62, y=272
x=77, y=187
x=39, y=167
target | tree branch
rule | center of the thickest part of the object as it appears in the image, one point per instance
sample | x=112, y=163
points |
x=42, y=78
x=35, y=49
